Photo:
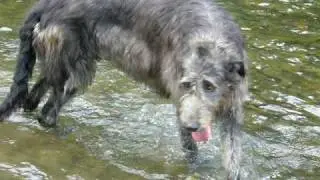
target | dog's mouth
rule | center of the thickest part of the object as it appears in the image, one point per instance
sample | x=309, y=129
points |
x=202, y=135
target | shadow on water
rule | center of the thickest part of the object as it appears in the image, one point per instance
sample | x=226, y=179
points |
x=121, y=130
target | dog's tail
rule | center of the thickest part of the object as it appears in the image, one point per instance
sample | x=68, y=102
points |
x=25, y=63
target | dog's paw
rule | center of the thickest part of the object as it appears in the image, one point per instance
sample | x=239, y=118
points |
x=48, y=122
x=29, y=105
x=234, y=177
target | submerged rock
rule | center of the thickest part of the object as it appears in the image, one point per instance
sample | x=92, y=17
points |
x=5, y=29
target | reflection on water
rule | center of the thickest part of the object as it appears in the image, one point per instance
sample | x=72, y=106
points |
x=121, y=130
x=25, y=170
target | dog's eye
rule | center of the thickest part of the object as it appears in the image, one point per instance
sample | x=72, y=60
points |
x=208, y=86
x=186, y=85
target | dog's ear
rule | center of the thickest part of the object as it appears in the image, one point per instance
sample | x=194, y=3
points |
x=236, y=67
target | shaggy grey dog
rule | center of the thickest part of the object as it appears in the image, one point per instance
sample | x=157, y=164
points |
x=189, y=50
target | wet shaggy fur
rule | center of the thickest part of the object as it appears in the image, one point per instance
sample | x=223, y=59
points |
x=188, y=50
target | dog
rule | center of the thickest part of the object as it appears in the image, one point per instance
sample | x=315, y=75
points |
x=190, y=51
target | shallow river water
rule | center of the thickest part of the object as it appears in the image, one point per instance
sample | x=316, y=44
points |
x=119, y=129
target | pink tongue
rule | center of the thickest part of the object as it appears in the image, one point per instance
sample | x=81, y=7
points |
x=203, y=135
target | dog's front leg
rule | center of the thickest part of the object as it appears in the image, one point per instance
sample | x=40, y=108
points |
x=189, y=146
x=231, y=139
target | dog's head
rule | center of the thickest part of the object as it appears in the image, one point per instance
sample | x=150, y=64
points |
x=211, y=76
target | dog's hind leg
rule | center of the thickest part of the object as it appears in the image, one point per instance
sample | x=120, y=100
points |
x=47, y=106
x=24, y=67
x=69, y=54
x=37, y=92
x=51, y=109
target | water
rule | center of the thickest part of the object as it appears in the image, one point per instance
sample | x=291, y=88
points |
x=119, y=129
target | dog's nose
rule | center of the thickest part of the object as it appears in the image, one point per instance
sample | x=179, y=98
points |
x=194, y=126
